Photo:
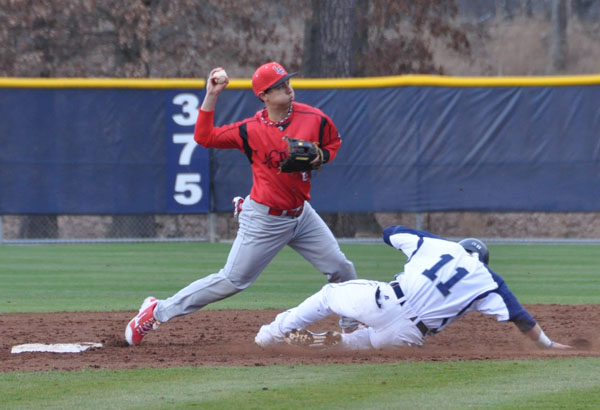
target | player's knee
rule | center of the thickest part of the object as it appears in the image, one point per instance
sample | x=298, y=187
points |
x=392, y=339
x=357, y=340
x=239, y=282
x=349, y=273
x=377, y=341
x=344, y=272
x=323, y=294
x=228, y=286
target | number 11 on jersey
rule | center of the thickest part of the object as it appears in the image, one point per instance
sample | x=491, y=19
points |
x=444, y=287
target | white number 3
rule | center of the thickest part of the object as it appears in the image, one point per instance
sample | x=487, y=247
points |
x=189, y=108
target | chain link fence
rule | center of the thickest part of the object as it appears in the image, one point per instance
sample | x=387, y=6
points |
x=211, y=227
x=106, y=228
x=215, y=227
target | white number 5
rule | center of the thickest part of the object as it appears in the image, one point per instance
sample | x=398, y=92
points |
x=188, y=186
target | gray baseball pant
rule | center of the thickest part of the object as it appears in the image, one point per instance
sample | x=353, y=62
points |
x=259, y=239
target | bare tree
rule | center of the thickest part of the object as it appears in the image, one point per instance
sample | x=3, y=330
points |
x=558, y=50
x=329, y=39
x=337, y=37
x=528, y=8
x=137, y=38
x=400, y=33
x=328, y=52
x=345, y=38
x=389, y=36
x=507, y=9
x=586, y=10
x=311, y=61
x=185, y=38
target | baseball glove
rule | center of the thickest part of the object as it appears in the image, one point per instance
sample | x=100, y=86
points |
x=306, y=338
x=300, y=156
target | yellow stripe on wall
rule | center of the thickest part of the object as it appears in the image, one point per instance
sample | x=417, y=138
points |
x=308, y=83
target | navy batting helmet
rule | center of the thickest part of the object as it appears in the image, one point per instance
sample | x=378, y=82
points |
x=475, y=245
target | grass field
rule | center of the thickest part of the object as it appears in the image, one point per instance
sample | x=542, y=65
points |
x=102, y=277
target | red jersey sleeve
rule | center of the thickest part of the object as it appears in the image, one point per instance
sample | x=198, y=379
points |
x=209, y=136
x=330, y=139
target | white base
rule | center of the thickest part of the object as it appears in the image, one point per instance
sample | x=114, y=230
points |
x=55, y=348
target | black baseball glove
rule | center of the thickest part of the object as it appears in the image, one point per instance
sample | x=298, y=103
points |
x=301, y=156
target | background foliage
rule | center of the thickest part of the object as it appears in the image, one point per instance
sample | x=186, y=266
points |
x=186, y=38
x=334, y=38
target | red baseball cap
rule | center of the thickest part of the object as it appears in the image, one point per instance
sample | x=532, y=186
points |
x=268, y=76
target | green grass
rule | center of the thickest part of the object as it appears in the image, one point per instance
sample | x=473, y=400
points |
x=563, y=274
x=98, y=277
x=535, y=384
x=103, y=277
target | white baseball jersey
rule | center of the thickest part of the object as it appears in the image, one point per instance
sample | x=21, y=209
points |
x=441, y=281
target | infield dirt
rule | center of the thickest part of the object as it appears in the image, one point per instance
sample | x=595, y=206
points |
x=226, y=338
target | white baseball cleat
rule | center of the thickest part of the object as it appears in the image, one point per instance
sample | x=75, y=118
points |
x=265, y=338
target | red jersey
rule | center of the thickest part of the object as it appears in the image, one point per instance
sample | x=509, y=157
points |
x=265, y=148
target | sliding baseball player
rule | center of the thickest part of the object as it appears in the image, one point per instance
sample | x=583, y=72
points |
x=442, y=281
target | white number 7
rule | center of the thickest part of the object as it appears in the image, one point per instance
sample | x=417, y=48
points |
x=185, y=158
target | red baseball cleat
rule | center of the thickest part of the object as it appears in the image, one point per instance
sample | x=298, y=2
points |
x=142, y=323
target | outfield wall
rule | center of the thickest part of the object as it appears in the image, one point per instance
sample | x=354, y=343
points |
x=410, y=144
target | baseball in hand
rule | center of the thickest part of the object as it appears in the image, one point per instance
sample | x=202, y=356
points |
x=219, y=76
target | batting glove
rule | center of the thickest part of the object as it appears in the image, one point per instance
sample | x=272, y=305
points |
x=237, y=205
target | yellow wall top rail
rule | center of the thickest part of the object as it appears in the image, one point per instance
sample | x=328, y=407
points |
x=307, y=83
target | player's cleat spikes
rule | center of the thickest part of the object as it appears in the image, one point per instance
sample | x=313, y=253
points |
x=307, y=338
x=142, y=323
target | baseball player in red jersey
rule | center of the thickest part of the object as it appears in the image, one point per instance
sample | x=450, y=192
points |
x=276, y=213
